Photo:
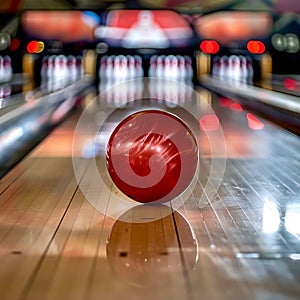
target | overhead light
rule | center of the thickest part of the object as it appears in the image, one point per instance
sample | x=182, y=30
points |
x=286, y=42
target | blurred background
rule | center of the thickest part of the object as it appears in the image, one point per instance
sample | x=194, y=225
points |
x=54, y=55
x=235, y=65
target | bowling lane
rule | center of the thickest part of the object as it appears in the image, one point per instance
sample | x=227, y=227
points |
x=288, y=84
x=247, y=235
x=55, y=73
x=58, y=240
x=264, y=98
x=236, y=235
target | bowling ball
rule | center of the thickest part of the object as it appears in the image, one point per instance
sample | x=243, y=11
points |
x=152, y=156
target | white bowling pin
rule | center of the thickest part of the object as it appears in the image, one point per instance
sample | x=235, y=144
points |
x=138, y=66
x=60, y=71
x=167, y=67
x=234, y=70
x=50, y=67
x=153, y=64
x=250, y=72
x=131, y=67
x=79, y=66
x=160, y=66
x=124, y=72
x=44, y=68
x=181, y=68
x=65, y=70
x=8, y=71
x=174, y=67
x=216, y=66
x=2, y=75
x=117, y=68
x=223, y=67
x=244, y=72
x=102, y=67
x=71, y=62
x=109, y=72
x=188, y=68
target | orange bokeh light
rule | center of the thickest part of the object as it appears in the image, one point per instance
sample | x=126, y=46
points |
x=209, y=46
x=33, y=47
x=256, y=47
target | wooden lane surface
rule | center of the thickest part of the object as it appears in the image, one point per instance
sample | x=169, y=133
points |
x=53, y=242
x=241, y=253
x=236, y=244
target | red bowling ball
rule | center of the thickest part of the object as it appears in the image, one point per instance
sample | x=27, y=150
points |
x=152, y=156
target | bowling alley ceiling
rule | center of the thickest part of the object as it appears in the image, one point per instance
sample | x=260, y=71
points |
x=192, y=6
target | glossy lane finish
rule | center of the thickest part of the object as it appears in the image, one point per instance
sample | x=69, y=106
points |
x=242, y=242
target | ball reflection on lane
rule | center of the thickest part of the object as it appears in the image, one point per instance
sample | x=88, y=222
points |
x=146, y=253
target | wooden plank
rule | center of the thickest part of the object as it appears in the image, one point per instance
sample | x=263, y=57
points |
x=93, y=258
x=29, y=227
x=251, y=264
x=55, y=245
x=34, y=198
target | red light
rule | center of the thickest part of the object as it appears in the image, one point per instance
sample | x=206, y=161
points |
x=236, y=107
x=225, y=102
x=209, y=47
x=254, y=123
x=256, y=47
x=14, y=44
x=289, y=83
x=33, y=47
x=209, y=123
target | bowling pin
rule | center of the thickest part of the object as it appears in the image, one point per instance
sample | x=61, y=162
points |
x=181, y=68
x=167, y=73
x=50, y=67
x=131, y=67
x=2, y=75
x=174, y=67
x=59, y=72
x=8, y=72
x=216, y=66
x=152, y=68
x=234, y=71
x=102, y=67
x=79, y=66
x=71, y=62
x=244, y=72
x=117, y=68
x=124, y=72
x=66, y=71
x=188, y=67
x=118, y=71
x=109, y=72
x=102, y=73
x=160, y=66
x=44, y=68
x=138, y=66
x=55, y=74
x=223, y=67
x=250, y=72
